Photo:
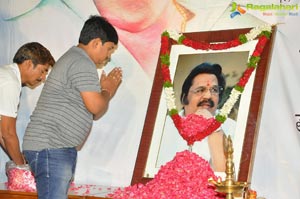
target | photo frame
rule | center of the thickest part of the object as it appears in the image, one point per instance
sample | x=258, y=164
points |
x=156, y=114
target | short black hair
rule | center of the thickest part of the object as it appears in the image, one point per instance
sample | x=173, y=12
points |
x=98, y=27
x=35, y=52
x=205, y=67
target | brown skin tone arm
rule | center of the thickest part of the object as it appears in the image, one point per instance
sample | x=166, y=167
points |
x=215, y=144
x=216, y=148
x=10, y=141
x=97, y=103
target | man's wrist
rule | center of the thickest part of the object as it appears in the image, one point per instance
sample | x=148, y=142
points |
x=218, y=129
x=106, y=92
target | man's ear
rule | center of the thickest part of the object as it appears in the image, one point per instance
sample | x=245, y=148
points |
x=28, y=63
x=96, y=42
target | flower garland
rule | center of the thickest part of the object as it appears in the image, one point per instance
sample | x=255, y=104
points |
x=185, y=125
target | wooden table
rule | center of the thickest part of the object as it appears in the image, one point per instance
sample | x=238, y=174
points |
x=83, y=192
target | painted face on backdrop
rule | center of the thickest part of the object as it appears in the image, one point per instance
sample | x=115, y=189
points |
x=204, y=93
x=140, y=24
x=131, y=15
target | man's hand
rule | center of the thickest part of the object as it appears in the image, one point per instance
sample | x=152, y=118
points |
x=112, y=81
x=204, y=112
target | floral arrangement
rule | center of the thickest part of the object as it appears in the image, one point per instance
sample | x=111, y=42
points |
x=185, y=177
x=185, y=125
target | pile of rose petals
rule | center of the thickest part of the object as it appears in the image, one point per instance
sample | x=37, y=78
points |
x=185, y=177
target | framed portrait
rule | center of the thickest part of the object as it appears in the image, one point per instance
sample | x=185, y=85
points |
x=159, y=143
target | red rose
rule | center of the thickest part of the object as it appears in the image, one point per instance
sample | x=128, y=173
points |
x=165, y=73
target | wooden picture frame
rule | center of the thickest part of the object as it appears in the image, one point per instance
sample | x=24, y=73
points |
x=253, y=116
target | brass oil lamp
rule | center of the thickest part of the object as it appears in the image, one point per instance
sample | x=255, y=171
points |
x=229, y=186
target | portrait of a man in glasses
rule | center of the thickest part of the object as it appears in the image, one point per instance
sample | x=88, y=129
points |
x=201, y=93
x=202, y=83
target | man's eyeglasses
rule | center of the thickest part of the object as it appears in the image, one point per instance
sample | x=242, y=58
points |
x=215, y=90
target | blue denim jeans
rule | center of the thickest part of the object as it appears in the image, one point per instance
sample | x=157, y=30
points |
x=53, y=171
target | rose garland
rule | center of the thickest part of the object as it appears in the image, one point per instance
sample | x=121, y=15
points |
x=186, y=125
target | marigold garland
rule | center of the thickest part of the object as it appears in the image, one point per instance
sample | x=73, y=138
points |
x=261, y=33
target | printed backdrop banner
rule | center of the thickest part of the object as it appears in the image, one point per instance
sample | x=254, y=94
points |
x=276, y=168
x=109, y=154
